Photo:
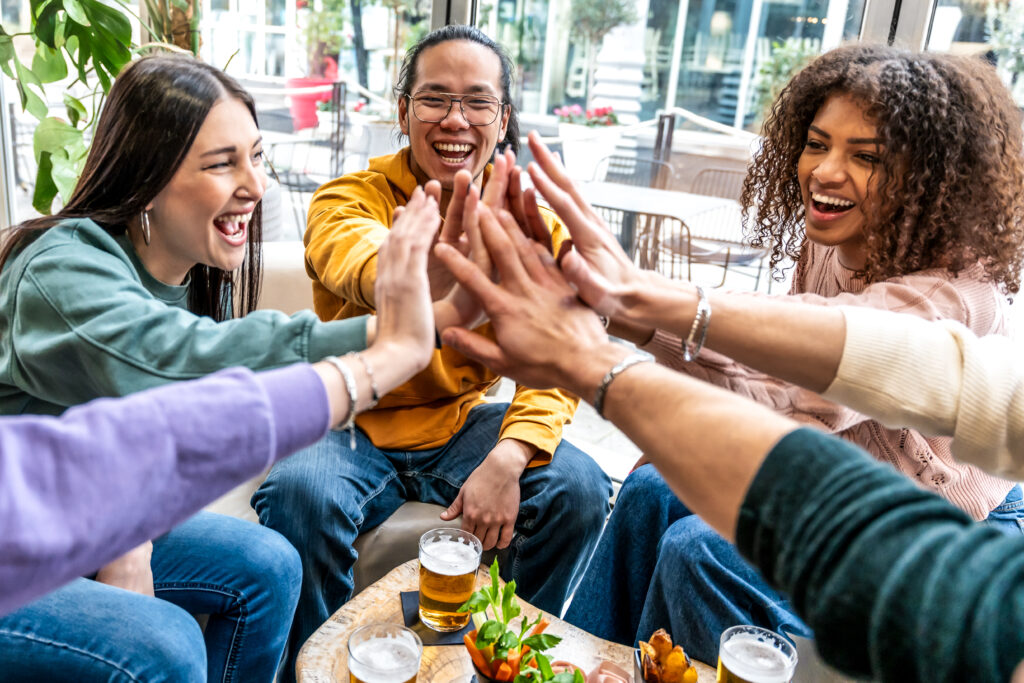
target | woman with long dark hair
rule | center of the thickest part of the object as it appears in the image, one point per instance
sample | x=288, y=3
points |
x=132, y=285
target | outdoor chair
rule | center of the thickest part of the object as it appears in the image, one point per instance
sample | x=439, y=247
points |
x=625, y=227
x=635, y=171
x=719, y=182
x=722, y=227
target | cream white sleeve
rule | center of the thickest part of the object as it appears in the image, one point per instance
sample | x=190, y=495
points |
x=937, y=378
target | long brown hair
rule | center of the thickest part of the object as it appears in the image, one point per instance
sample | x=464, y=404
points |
x=951, y=185
x=152, y=115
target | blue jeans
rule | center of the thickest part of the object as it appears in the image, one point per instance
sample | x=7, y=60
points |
x=660, y=566
x=322, y=498
x=244, y=576
x=1008, y=516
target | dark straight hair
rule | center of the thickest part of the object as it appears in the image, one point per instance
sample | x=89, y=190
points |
x=151, y=117
x=407, y=76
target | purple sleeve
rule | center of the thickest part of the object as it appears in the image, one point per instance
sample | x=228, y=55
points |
x=82, y=489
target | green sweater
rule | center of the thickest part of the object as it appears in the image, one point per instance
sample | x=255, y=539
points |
x=80, y=318
x=897, y=583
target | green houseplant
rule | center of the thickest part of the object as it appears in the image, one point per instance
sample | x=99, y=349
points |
x=75, y=42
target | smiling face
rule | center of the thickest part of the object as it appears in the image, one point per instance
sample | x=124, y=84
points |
x=202, y=215
x=839, y=171
x=439, y=150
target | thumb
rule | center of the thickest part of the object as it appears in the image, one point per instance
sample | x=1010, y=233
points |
x=590, y=286
x=454, y=510
x=476, y=347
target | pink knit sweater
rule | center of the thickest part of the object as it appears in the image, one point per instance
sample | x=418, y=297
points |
x=930, y=294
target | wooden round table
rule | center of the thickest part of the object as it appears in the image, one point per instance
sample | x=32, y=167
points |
x=324, y=657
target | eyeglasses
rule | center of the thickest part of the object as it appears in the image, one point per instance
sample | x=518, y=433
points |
x=477, y=110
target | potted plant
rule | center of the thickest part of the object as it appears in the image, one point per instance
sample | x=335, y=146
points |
x=588, y=136
x=324, y=40
x=504, y=651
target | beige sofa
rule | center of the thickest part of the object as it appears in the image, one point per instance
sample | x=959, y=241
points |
x=286, y=287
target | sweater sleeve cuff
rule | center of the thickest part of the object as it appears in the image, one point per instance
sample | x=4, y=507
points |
x=337, y=337
x=298, y=402
x=536, y=435
x=873, y=374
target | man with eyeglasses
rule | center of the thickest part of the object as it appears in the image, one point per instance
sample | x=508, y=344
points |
x=502, y=466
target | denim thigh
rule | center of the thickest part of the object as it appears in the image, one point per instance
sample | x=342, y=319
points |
x=89, y=631
x=246, y=577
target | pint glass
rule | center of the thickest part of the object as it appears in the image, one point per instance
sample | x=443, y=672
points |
x=449, y=559
x=750, y=654
x=383, y=653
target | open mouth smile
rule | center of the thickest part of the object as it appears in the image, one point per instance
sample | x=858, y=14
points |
x=830, y=206
x=233, y=227
x=453, y=153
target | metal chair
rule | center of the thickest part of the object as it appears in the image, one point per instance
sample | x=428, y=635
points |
x=635, y=171
x=719, y=232
x=719, y=182
x=303, y=164
x=626, y=229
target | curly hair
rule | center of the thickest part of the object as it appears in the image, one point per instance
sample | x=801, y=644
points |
x=952, y=167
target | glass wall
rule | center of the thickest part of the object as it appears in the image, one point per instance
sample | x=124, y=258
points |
x=994, y=30
x=718, y=58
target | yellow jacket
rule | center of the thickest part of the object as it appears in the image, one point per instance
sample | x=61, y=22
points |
x=349, y=218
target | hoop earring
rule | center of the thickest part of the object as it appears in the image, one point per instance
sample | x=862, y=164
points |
x=145, y=227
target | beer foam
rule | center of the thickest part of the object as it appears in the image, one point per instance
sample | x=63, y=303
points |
x=449, y=557
x=748, y=657
x=384, y=660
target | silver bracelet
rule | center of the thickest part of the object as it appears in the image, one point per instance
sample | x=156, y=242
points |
x=373, y=380
x=627, y=362
x=353, y=397
x=699, y=330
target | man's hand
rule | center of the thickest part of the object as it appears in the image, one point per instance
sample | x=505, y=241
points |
x=542, y=329
x=489, y=500
x=131, y=571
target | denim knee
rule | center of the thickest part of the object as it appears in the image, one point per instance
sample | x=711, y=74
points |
x=583, y=504
x=175, y=651
x=686, y=546
x=275, y=564
x=645, y=493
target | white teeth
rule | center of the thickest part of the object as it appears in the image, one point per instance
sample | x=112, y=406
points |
x=234, y=218
x=834, y=201
x=448, y=147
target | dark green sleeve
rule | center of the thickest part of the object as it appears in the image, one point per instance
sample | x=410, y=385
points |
x=83, y=326
x=897, y=583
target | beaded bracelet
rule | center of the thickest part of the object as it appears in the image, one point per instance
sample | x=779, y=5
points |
x=353, y=397
x=699, y=330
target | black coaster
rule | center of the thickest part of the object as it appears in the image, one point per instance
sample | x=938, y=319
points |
x=411, y=615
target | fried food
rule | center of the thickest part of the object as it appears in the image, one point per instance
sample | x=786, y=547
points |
x=661, y=662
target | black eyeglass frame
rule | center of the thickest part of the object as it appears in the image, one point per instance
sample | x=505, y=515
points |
x=451, y=102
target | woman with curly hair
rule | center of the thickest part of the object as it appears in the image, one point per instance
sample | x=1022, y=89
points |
x=894, y=180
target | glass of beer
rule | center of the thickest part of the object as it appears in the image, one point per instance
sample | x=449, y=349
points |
x=449, y=559
x=383, y=653
x=750, y=654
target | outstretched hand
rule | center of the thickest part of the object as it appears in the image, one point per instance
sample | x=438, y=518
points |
x=602, y=272
x=542, y=329
x=405, y=321
x=459, y=308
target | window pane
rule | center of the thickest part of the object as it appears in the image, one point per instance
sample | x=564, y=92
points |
x=275, y=54
x=276, y=12
x=993, y=30
x=697, y=54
